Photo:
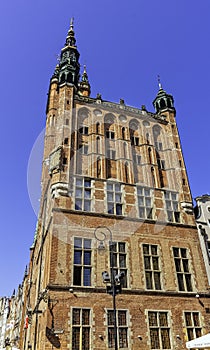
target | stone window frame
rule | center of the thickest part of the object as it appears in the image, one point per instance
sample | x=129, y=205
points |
x=183, y=269
x=116, y=200
x=119, y=255
x=143, y=209
x=82, y=262
x=150, y=271
x=172, y=206
x=193, y=328
x=120, y=326
x=160, y=328
x=83, y=193
x=81, y=326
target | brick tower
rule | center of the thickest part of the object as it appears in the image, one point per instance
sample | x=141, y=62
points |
x=115, y=201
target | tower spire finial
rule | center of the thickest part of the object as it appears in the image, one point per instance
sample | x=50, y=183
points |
x=72, y=23
x=70, y=39
x=159, y=82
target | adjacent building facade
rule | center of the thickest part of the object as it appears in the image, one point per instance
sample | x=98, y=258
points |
x=202, y=215
x=115, y=199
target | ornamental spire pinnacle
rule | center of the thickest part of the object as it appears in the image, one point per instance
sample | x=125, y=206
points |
x=70, y=39
x=159, y=83
x=84, y=85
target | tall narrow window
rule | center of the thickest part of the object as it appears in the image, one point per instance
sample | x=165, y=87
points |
x=82, y=194
x=135, y=141
x=119, y=260
x=83, y=149
x=171, y=200
x=123, y=133
x=98, y=144
x=150, y=155
x=97, y=128
x=182, y=269
x=159, y=330
x=126, y=172
x=151, y=266
x=144, y=196
x=81, y=325
x=122, y=328
x=114, y=198
x=98, y=167
x=125, y=149
x=192, y=324
x=82, y=262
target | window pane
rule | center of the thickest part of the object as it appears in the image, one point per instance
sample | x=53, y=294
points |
x=155, y=263
x=122, y=260
x=77, y=242
x=154, y=249
x=118, y=198
x=77, y=275
x=75, y=338
x=77, y=257
x=119, y=209
x=87, y=205
x=154, y=336
x=79, y=182
x=87, y=276
x=147, y=264
x=85, y=317
x=157, y=280
x=76, y=316
x=110, y=209
x=163, y=319
x=85, y=338
x=110, y=197
x=141, y=201
x=87, y=194
x=110, y=318
x=188, y=282
x=78, y=192
x=196, y=319
x=146, y=248
x=78, y=204
x=123, y=342
x=152, y=318
x=121, y=247
x=165, y=339
x=111, y=337
x=87, y=258
x=180, y=282
x=148, y=280
x=87, y=243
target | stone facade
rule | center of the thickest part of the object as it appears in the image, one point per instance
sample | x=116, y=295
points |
x=202, y=214
x=113, y=177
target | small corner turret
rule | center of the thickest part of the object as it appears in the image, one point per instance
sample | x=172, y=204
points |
x=163, y=101
x=84, y=85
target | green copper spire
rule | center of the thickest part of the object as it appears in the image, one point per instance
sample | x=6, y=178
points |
x=67, y=71
x=163, y=101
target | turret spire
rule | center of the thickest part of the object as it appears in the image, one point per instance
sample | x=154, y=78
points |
x=159, y=83
x=70, y=39
x=84, y=85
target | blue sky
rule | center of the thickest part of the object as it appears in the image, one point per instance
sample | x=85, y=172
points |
x=125, y=45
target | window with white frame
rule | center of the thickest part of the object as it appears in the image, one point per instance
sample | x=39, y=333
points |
x=83, y=149
x=114, y=198
x=172, y=206
x=82, y=262
x=111, y=154
x=144, y=197
x=118, y=255
x=182, y=269
x=135, y=141
x=83, y=194
x=192, y=324
x=152, y=266
x=122, y=328
x=110, y=135
x=84, y=130
x=159, y=329
x=81, y=329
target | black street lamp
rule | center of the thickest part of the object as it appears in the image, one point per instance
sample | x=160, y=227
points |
x=113, y=282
